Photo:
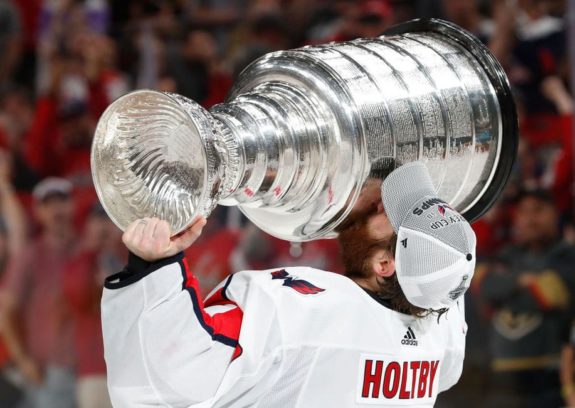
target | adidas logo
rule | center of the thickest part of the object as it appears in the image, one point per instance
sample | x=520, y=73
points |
x=409, y=338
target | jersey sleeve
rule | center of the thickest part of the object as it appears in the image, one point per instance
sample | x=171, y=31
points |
x=452, y=365
x=163, y=346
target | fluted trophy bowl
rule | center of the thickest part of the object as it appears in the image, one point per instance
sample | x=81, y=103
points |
x=307, y=135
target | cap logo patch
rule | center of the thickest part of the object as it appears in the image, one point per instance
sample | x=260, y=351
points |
x=455, y=293
x=427, y=204
x=441, y=210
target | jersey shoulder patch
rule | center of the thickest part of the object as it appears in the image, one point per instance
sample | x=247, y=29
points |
x=299, y=285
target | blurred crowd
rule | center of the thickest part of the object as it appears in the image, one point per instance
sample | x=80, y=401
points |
x=63, y=61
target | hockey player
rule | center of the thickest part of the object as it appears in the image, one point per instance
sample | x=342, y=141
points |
x=390, y=333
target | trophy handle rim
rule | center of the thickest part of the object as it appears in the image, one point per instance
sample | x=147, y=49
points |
x=496, y=74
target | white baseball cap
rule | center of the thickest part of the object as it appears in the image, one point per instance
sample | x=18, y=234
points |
x=51, y=186
x=435, y=251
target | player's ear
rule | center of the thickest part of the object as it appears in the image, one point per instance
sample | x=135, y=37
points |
x=383, y=263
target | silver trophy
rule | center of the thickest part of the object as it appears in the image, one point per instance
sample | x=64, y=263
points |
x=307, y=135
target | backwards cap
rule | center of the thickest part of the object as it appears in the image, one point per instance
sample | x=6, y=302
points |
x=435, y=251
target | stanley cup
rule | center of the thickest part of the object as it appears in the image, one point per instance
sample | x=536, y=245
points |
x=306, y=136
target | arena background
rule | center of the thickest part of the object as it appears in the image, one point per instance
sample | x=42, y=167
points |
x=63, y=61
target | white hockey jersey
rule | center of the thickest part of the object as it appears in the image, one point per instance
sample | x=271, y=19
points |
x=293, y=337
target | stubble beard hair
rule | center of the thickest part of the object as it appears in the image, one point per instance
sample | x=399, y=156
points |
x=357, y=249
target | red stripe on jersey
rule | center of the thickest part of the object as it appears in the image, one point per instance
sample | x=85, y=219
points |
x=218, y=298
x=228, y=323
x=221, y=326
x=190, y=278
x=237, y=352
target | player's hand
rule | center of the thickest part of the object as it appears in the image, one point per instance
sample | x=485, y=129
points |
x=150, y=238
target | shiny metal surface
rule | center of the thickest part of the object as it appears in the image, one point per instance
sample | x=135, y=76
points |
x=306, y=132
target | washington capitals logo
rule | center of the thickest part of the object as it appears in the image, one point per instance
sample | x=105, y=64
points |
x=441, y=210
x=299, y=285
x=442, y=207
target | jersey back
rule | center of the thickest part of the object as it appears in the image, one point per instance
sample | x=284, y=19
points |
x=311, y=338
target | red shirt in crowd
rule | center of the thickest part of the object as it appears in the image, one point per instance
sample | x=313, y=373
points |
x=48, y=155
x=35, y=278
x=83, y=292
x=554, y=130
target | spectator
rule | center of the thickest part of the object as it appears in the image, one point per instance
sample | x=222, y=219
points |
x=150, y=27
x=10, y=39
x=545, y=156
x=16, y=118
x=100, y=255
x=372, y=18
x=567, y=369
x=491, y=231
x=42, y=347
x=216, y=16
x=61, y=22
x=537, y=54
x=58, y=142
x=365, y=19
x=17, y=113
x=467, y=15
x=197, y=69
x=529, y=288
x=265, y=31
x=13, y=226
x=12, y=241
x=28, y=12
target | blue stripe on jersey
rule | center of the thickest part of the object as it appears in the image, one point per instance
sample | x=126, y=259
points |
x=196, y=303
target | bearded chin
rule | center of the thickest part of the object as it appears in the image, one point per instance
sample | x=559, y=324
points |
x=356, y=249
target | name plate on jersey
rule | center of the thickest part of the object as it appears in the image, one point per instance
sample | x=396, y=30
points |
x=383, y=379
